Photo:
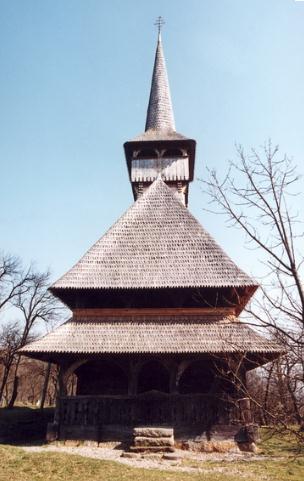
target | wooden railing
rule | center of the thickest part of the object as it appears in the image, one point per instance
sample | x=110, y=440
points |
x=150, y=409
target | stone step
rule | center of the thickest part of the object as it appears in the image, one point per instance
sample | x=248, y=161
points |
x=152, y=449
x=153, y=432
x=146, y=441
x=171, y=457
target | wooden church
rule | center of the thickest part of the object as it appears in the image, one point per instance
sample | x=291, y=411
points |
x=154, y=334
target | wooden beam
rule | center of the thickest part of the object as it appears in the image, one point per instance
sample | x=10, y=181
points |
x=152, y=312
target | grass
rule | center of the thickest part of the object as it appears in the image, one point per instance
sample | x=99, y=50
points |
x=17, y=465
x=284, y=461
x=265, y=470
x=279, y=444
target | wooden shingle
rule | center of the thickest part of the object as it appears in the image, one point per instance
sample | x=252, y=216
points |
x=160, y=335
x=157, y=243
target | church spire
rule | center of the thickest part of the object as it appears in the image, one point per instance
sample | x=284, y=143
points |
x=160, y=151
x=160, y=112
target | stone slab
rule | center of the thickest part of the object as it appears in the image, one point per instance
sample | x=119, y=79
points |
x=152, y=456
x=249, y=447
x=171, y=457
x=129, y=455
x=152, y=449
x=146, y=441
x=90, y=443
x=153, y=432
x=247, y=434
x=52, y=432
x=72, y=443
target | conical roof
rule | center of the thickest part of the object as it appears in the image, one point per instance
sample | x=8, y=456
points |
x=157, y=243
x=160, y=124
x=160, y=112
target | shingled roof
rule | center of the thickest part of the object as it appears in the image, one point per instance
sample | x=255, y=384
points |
x=160, y=125
x=159, y=335
x=152, y=135
x=157, y=243
x=160, y=112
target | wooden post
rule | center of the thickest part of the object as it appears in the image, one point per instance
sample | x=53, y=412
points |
x=132, y=378
x=61, y=391
x=173, y=378
x=248, y=434
x=245, y=411
x=45, y=385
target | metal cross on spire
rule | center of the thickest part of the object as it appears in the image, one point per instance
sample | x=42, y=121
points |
x=159, y=23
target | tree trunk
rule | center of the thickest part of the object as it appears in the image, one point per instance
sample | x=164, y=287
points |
x=15, y=385
x=3, y=382
x=14, y=393
x=45, y=385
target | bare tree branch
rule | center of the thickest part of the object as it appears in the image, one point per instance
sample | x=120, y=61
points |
x=258, y=195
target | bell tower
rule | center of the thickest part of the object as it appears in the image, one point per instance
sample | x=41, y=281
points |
x=160, y=150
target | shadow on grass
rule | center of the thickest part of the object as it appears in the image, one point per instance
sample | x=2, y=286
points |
x=24, y=425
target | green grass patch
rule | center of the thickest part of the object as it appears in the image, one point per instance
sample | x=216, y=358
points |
x=274, y=444
x=290, y=469
x=17, y=465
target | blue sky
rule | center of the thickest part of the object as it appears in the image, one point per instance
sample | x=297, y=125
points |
x=74, y=85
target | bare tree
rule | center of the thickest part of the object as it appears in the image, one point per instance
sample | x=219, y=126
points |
x=35, y=305
x=10, y=337
x=14, y=280
x=258, y=195
x=25, y=292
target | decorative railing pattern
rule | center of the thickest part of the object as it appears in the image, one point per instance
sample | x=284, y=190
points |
x=160, y=409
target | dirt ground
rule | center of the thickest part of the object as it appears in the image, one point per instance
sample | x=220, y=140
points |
x=176, y=461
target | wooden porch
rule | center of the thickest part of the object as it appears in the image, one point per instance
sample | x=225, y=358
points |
x=149, y=409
